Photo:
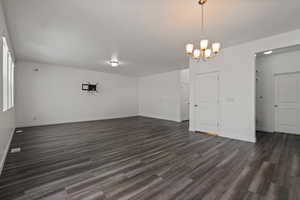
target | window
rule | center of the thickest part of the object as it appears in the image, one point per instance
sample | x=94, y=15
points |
x=8, y=76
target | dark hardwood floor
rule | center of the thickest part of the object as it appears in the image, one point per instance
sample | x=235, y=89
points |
x=143, y=158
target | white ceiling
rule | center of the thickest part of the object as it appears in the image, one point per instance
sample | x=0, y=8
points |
x=148, y=36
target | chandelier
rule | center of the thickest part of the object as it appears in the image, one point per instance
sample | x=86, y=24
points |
x=204, y=52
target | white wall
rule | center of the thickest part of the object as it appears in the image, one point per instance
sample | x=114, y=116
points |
x=53, y=95
x=7, y=119
x=267, y=66
x=159, y=96
x=237, y=78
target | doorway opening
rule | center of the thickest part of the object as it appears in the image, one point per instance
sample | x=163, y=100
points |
x=185, y=95
x=278, y=90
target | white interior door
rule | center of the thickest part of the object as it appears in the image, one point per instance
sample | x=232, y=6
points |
x=287, y=103
x=207, y=102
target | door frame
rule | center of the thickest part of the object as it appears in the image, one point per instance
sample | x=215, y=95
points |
x=219, y=106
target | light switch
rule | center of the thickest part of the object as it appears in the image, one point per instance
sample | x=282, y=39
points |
x=230, y=99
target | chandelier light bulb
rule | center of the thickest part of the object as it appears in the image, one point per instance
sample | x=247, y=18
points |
x=189, y=48
x=196, y=53
x=207, y=53
x=114, y=63
x=216, y=47
x=203, y=44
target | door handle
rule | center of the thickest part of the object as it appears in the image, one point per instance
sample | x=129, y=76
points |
x=195, y=105
x=276, y=106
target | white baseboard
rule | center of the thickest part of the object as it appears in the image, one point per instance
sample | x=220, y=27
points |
x=6, y=151
x=159, y=117
x=26, y=124
x=264, y=131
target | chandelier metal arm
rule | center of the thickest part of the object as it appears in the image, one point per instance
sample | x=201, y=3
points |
x=202, y=2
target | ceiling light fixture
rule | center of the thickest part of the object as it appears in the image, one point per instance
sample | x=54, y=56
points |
x=114, y=63
x=268, y=52
x=204, y=52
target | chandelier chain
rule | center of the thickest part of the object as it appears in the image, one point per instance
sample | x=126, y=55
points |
x=202, y=20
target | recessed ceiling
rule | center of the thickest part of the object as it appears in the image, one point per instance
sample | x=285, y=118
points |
x=147, y=36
